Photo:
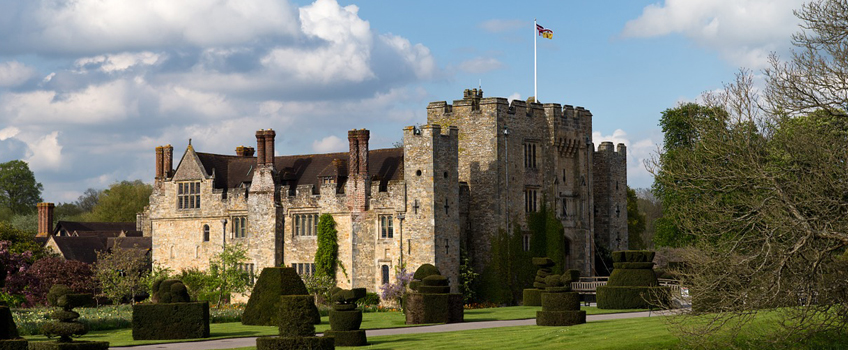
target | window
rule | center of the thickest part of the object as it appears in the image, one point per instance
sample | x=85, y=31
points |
x=530, y=155
x=206, y=233
x=188, y=195
x=304, y=269
x=530, y=200
x=526, y=241
x=305, y=224
x=386, y=226
x=240, y=226
x=248, y=269
x=385, y=270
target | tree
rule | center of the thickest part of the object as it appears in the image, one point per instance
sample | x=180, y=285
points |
x=635, y=221
x=651, y=207
x=228, y=276
x=77, y=275
x=121, y=202
x=326, y=256
x=88, y=200
x=19, y=241
x=762, y=200
x=121, y=272
x=18, y=189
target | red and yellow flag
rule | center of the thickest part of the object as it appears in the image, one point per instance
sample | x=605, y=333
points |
x=545, y=33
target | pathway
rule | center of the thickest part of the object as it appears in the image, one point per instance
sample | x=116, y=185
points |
x=452, y=327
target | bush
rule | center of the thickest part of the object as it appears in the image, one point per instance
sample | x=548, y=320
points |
x=532, y=297
x=560, y=318
x=633, y=256
x=629, y=297
x=348, y=338
x=78, y=345
x=295, y=316
x=345, y=320
x=633, y=265
x=571, y=276
x=632, y=277
x=170, y=321
x=273, y=282
x=433, y=308
x=169, y=291
x=369, y=299
x=295, y=343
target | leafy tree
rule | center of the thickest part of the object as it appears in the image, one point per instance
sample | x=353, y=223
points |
x=19, y=241
x=17, y=264
x=77, y=275
x=121, y=272
x=635, y=221
x=88, y=200
x=121, y=202
x=547, y=237
x=18, y=189
x=227, y=276
x=651, y=207
x=326, y=256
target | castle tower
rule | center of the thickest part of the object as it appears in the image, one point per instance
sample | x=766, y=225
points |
x=610, y=185
x=432, y=199
x=264, y=215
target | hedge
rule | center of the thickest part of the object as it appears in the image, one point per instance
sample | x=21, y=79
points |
x=345, y=320
x=261, y=309
x=632, y=277
x=7, y=324
x=629, y=297
x=170, y=321
x=532, y=297
x=348, y=338
x=633, y=265
x=76, y=345
x=433, y=308
x=560, y=318
x=632, y=256
x=14, y=344
x=295, y=343
x=295, y=316
x=561, y=301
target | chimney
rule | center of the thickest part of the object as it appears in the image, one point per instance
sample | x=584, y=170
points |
x=353, y=154
x=168, y=161
x=244, y=152
x=364, y=136
x=45, y=219
x=269, y=147
x=159, y=172
x=358, y=180
x=260, y=147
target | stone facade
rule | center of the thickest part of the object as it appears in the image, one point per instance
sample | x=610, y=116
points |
x=478, y=166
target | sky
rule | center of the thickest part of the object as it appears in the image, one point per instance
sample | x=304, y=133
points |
x=89, y=88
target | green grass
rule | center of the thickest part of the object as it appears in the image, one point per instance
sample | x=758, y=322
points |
x=370, y=320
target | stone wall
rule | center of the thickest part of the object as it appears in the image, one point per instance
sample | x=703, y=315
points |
x=610, y=183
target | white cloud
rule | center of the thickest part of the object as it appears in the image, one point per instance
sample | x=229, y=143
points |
x=481, y=65
x=416, y=56
x=119, y=62
x=46, y=152
x=8, y=132
x=329, y=144
x=107, y=102
x=637, y=153
x=744, y=32
x=14, y=73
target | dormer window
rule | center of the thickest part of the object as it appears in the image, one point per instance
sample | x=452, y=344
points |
x=188, y=195
x=328, y=180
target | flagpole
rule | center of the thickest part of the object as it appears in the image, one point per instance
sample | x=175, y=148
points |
x=535, y=86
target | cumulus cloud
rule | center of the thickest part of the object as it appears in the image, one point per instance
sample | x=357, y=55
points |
x=95, y=104
x=744, y=32
x=119, y=62
x=637, y=153
x=8, y=132
x=14, y=73
x=329, y=144
x=46, y=152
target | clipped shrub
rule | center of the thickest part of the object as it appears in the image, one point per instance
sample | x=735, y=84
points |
x=9, y=339
x=632, y=283
x=433, y=308
x=345, y=320
x=170, y=321
x=348, y=338
x=66, y=325
x=532, y=297
x=633, y=265
x=629, y=297
x=571, y=275
x=553, y=281
x=273, y=282
x=297, y=330
x=169, y=291
x=633, y=277
x=421, y=273
x=561, y=301
x=560, y=318
x=633, y=256
x=295, y=343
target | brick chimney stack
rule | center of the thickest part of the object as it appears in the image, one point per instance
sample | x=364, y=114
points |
x=159, y=157
x=260, y=147
x=168, y=161
x=45, y=219
x=244, y=152
x=358, y=179
x=270, y=134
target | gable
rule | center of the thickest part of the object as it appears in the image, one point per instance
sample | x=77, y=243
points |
x=190, y=167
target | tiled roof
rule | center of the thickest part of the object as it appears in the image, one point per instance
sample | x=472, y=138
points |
x=231, y=171
x=80, y=248
x=77, y=226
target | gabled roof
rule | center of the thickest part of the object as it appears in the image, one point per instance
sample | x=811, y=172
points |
x=145, y=243
x=76, y=226
x=231, y=171
x=79, y=248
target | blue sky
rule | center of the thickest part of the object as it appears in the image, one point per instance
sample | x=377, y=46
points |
x=89, y=88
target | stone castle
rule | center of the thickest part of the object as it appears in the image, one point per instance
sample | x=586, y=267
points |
x=477, y=166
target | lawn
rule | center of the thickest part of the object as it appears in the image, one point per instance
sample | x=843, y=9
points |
x=370, y=320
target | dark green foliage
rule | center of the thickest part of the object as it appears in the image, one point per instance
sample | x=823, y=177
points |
x=558, y=289
x=295, y=343
x=8, y=330
x=344, y=307
x=569, y=301
x=543, y=262
x=66, y=324
x=169, y=291
x=348, y=338
x=70, y=301
x=433, y=308
x=435, y=280
x=425, y=270
x=547, y=237
x=553, y=281
x=628, y=297
x=14, y=344
x=64, y=329
x=261, y=309
x=345, y=320
x=532, y=297
x=57, y=291
x=64, y=315
x=560, y=318
x=434, y=289
x=295, y=316
x=509, y=270
x=78, y=345
x=326, y=257
x=345, y=299
x=633, y=277
x=633, y=265
x=19, y=192
x=571, y=275
x=369, y=299
x=636, y=222
x=633, y=256
x=170, y=321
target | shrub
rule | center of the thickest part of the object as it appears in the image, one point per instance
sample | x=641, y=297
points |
x=345, y=320
x=633, y=265
x=433, y=308
x=273, y=282
x=295, y=314
x=169, y=291
x=170, y=321
x=560, y=318
x=632, y=277
x=633, y=256
x=630, y=297
x=370, y=298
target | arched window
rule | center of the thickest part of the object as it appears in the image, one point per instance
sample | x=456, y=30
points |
x=206, y=233
x=385, y=274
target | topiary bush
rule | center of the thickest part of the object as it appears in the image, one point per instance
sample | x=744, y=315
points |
x=169, y=291
x=345, y=319
x=560, y=306
x=633, y=283
x=66, y=325
x=170, y=321
x=421, y=273
x=273, y=282
x=533, y=296
x=431, y=300
x=297, y=331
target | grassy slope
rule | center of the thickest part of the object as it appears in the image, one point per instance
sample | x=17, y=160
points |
x=372, y=320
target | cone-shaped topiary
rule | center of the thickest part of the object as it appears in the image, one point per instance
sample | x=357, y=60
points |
x=297, y=331
x=66, y=326
x=261, y=309
x=631, y=283
x=9, y=338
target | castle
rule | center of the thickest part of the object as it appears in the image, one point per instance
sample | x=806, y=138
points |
x=479, y=165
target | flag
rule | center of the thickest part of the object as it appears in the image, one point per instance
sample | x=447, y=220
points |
x=545, y=33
